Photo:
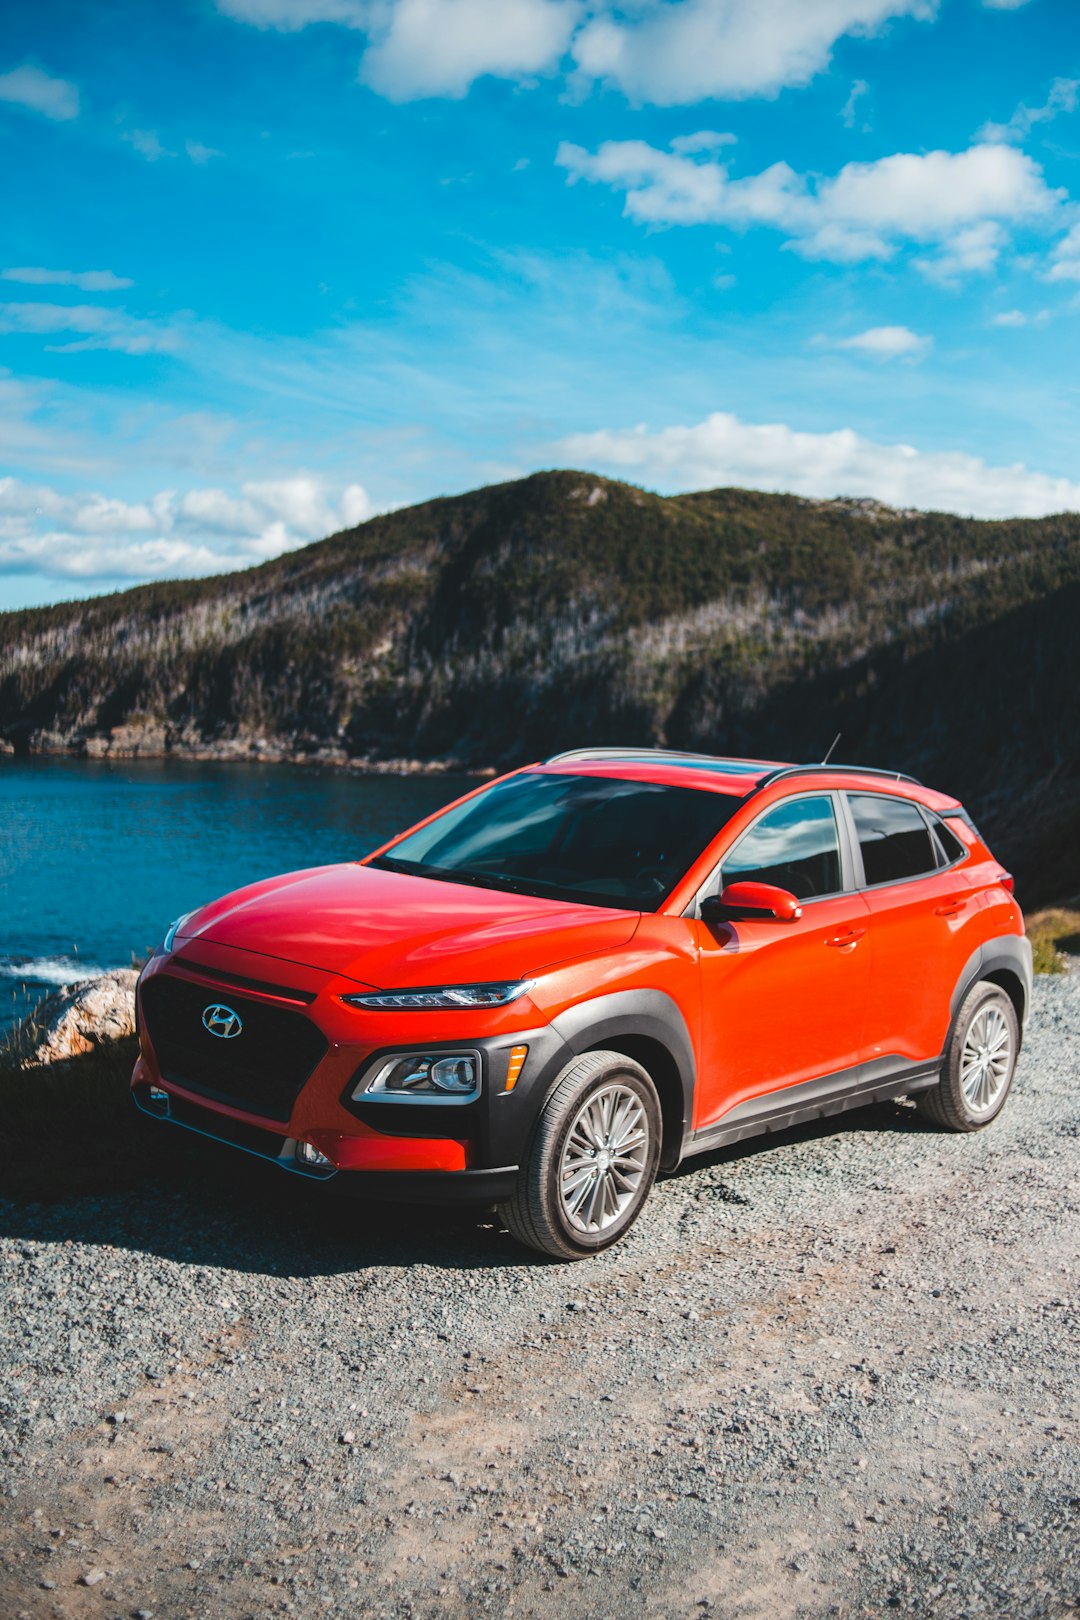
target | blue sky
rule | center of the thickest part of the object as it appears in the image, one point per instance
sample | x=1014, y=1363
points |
x=269, y=266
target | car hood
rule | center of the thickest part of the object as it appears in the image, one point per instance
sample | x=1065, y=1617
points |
x=392, y=930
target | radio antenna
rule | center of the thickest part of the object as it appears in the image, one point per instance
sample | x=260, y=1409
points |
x=832, y=745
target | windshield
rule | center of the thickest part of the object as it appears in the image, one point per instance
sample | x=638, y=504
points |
x=595, y=839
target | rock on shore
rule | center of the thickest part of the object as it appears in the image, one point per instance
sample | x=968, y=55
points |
x=79, y=1017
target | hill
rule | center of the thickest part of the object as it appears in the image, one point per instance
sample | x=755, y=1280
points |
x=565, y=609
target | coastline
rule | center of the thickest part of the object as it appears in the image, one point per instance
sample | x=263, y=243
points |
x=99, y=854
x=238, y=750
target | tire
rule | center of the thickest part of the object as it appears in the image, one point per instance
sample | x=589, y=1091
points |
x=980, y=1062
x=564, y=1204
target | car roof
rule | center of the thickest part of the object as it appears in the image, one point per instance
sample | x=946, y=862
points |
x=738, y=777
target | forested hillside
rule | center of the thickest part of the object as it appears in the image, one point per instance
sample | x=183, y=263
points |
x=565, y=609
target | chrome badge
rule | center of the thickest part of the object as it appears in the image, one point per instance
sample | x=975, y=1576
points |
x=222, y=1022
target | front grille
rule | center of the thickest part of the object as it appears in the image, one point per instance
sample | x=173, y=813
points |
x=261, y=1070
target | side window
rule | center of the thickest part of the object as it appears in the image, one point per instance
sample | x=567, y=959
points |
x=795, y=846
x=894, y=839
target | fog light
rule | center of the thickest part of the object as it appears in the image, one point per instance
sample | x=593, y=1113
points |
x=455, y=1074
x=309, y=1155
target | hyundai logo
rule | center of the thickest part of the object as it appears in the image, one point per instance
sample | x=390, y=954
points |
x=222, y=1022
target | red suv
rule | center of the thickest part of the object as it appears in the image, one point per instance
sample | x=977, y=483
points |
x=587, y=971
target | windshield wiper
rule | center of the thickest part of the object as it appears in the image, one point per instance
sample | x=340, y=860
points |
x=533, y=888
x=449, y=874
x=390, y=864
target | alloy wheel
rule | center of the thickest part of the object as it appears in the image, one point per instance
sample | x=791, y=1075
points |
x=986, y=1058
x=604, y=1158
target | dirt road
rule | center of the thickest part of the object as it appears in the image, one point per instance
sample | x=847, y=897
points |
x=833, y=1373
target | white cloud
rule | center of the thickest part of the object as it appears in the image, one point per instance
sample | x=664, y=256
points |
x=32, y=433
x=705, y=140
x=40, y=92
x=288, y=16
x=954, y=200
x=1061, y=99
x=147, y=143
x=1017, y=317
x=973, y=249
x=935, y=194
x=667, y=188
x=438, y=47
x=1065, y=260
x=198, y=153
x=94, y=536
x=1004, y=5
x=421, y=48
x=722, y=450
x=671, y=52
x=859, y=89
x=886, y=342
x=693, y=50
x=85, y=280
x=101, y=328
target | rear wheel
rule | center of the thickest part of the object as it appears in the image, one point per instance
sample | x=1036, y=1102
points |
x=592, y=1161
x=977, y=1075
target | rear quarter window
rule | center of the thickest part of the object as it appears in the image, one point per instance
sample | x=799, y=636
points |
x=951, y=846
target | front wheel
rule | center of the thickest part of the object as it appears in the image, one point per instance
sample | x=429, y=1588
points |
x=977, y=1074
x=592, y=1161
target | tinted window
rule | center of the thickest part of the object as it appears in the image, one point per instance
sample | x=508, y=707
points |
x=951, y=847
x=598, y=839
x=894, y=839
x=794, y=846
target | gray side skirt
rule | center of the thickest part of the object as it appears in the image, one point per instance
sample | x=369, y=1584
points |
x=865, y=1083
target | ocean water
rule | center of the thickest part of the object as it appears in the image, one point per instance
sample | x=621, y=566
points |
x=97, y=857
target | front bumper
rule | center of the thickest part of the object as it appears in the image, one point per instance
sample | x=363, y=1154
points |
x=419, y=1186
x=431, y=1152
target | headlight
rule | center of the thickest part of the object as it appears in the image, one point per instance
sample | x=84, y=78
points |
x=442, y=1077
x=455, y=995
x=172, y=931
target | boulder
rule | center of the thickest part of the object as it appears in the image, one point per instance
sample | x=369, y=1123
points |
x=79, y=1017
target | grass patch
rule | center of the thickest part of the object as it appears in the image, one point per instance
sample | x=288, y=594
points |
x=1055, y=937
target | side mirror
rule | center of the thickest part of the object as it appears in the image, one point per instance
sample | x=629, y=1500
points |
x=751, y=900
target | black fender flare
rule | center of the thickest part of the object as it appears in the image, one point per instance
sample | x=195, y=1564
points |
x=1010, y=954
x=645, y=1015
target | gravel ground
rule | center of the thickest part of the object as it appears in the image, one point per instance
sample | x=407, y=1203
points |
x=834, y=1373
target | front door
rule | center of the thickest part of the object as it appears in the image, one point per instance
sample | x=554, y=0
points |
x=784, y=1002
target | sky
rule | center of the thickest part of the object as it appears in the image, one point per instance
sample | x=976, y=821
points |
x=268, y=267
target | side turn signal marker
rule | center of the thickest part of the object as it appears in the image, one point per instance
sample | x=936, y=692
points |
x=518, y=1054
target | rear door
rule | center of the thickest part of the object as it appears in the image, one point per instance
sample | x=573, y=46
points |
x=923, y=923
x=784, y=1002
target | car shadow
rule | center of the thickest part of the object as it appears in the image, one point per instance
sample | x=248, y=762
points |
x=895, y=1116
x=207, y=1206
x=187, y=1199
x=79, y=1162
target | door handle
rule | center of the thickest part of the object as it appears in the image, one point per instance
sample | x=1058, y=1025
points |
x=951, y=908
x=852, y=937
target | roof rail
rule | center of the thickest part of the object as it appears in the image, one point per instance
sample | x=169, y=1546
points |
x=736, y=765
x=833, y=770
x=632, y=753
